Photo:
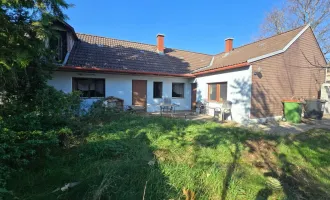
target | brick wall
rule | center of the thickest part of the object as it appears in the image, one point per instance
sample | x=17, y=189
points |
x=287, y=75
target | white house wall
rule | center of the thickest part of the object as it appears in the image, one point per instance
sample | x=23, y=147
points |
x=121, y=86
x=239, y=91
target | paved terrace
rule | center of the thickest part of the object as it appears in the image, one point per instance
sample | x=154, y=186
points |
x=272, y=127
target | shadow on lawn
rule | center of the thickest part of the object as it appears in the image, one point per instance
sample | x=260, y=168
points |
x=232, y=139
x=230, y=170
x=117, y=167
x=215, y=136
x=296, y=182
x=126, y=179
x=114, y=162
x=129, y=171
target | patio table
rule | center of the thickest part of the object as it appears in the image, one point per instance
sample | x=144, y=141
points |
x=167, y=107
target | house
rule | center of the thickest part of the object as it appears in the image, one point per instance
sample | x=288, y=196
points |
x=256, y=77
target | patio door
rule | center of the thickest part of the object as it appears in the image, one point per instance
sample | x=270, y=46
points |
x=139, y=93
x=193, y=95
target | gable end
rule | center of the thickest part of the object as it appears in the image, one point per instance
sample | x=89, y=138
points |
x=282, y=50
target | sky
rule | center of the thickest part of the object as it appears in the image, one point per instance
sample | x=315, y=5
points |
x=194, y=25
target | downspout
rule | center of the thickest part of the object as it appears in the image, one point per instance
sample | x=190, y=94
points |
x=70, y=45
x=326, y=74
x=66, y=58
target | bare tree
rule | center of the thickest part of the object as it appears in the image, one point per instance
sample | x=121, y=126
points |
x=295, y=13
x=274, y=23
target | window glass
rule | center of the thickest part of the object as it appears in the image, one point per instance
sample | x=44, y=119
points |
x=89, y=87
x=218, y=91
x=223, y=91
x=58, y=43
x=213, y=92
x=99, y=88
x=158, y=89
x=178, y=90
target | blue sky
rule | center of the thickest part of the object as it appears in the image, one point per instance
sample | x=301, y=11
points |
x=193, y=25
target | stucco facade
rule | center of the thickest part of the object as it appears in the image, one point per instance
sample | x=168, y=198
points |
x=257, y=76
x=238, y=91
x=121, y=86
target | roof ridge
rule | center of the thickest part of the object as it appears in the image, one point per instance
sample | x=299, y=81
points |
x=116, y=39
x=266, y=38
x=153, y=45
x=143, y=43
x=189, y=51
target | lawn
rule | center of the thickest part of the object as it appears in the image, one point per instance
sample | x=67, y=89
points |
x=134, y=157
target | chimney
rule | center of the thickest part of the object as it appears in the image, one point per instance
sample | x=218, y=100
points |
x=228, y=44
x=160, y=43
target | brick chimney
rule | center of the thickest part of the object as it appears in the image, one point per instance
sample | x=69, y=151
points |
x=160, y=43
x=228, y=44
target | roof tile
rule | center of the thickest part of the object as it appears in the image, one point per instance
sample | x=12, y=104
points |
x=244, y=53
x=101, y=52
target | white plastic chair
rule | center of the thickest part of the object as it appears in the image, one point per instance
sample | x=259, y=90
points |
x=226, y=109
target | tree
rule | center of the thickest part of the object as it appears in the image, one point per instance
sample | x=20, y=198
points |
x=28, y=107
x=295, y=13
x=25, y=62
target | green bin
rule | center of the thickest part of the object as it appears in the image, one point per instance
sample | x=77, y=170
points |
x=292, y=111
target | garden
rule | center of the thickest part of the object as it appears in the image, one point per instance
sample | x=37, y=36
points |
x=51, y=149
x=128, y=156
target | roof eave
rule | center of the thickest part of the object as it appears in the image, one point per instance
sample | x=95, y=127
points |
x=100, y=70
x=69, y=27
x=235, y=66
x=281, y=50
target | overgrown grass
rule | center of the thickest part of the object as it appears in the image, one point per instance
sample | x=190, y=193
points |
x=168, y=158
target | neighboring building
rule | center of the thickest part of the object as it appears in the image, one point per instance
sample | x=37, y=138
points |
x=256, y=77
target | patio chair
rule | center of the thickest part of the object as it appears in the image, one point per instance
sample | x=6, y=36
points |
x=167, y=100
x=226, y=109
x=166, y=105
x=206, y=106
x=202, y=106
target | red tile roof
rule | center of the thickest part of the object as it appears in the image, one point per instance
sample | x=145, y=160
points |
x=95, y=52
x=244, y=53
x=107, y=53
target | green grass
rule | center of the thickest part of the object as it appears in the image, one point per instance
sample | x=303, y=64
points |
x=209, y=160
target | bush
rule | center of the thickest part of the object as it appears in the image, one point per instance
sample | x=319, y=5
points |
x=49, y=109
x=29, y=129
x=98, y=113
x=65, y=137
x=17, y=149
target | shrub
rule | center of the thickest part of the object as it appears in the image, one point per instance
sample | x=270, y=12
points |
x=64, y=136
x=98, y=113
x=49, y=109
x=29, y=129
x=17, y=149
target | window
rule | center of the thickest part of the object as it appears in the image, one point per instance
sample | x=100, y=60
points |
x=58, y=43
x=217, y=92
x=213, y=92
x=158, y=89
x=89, y=87
x=178, y=90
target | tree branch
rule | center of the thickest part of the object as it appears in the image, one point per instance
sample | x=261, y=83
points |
x=319, y=66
